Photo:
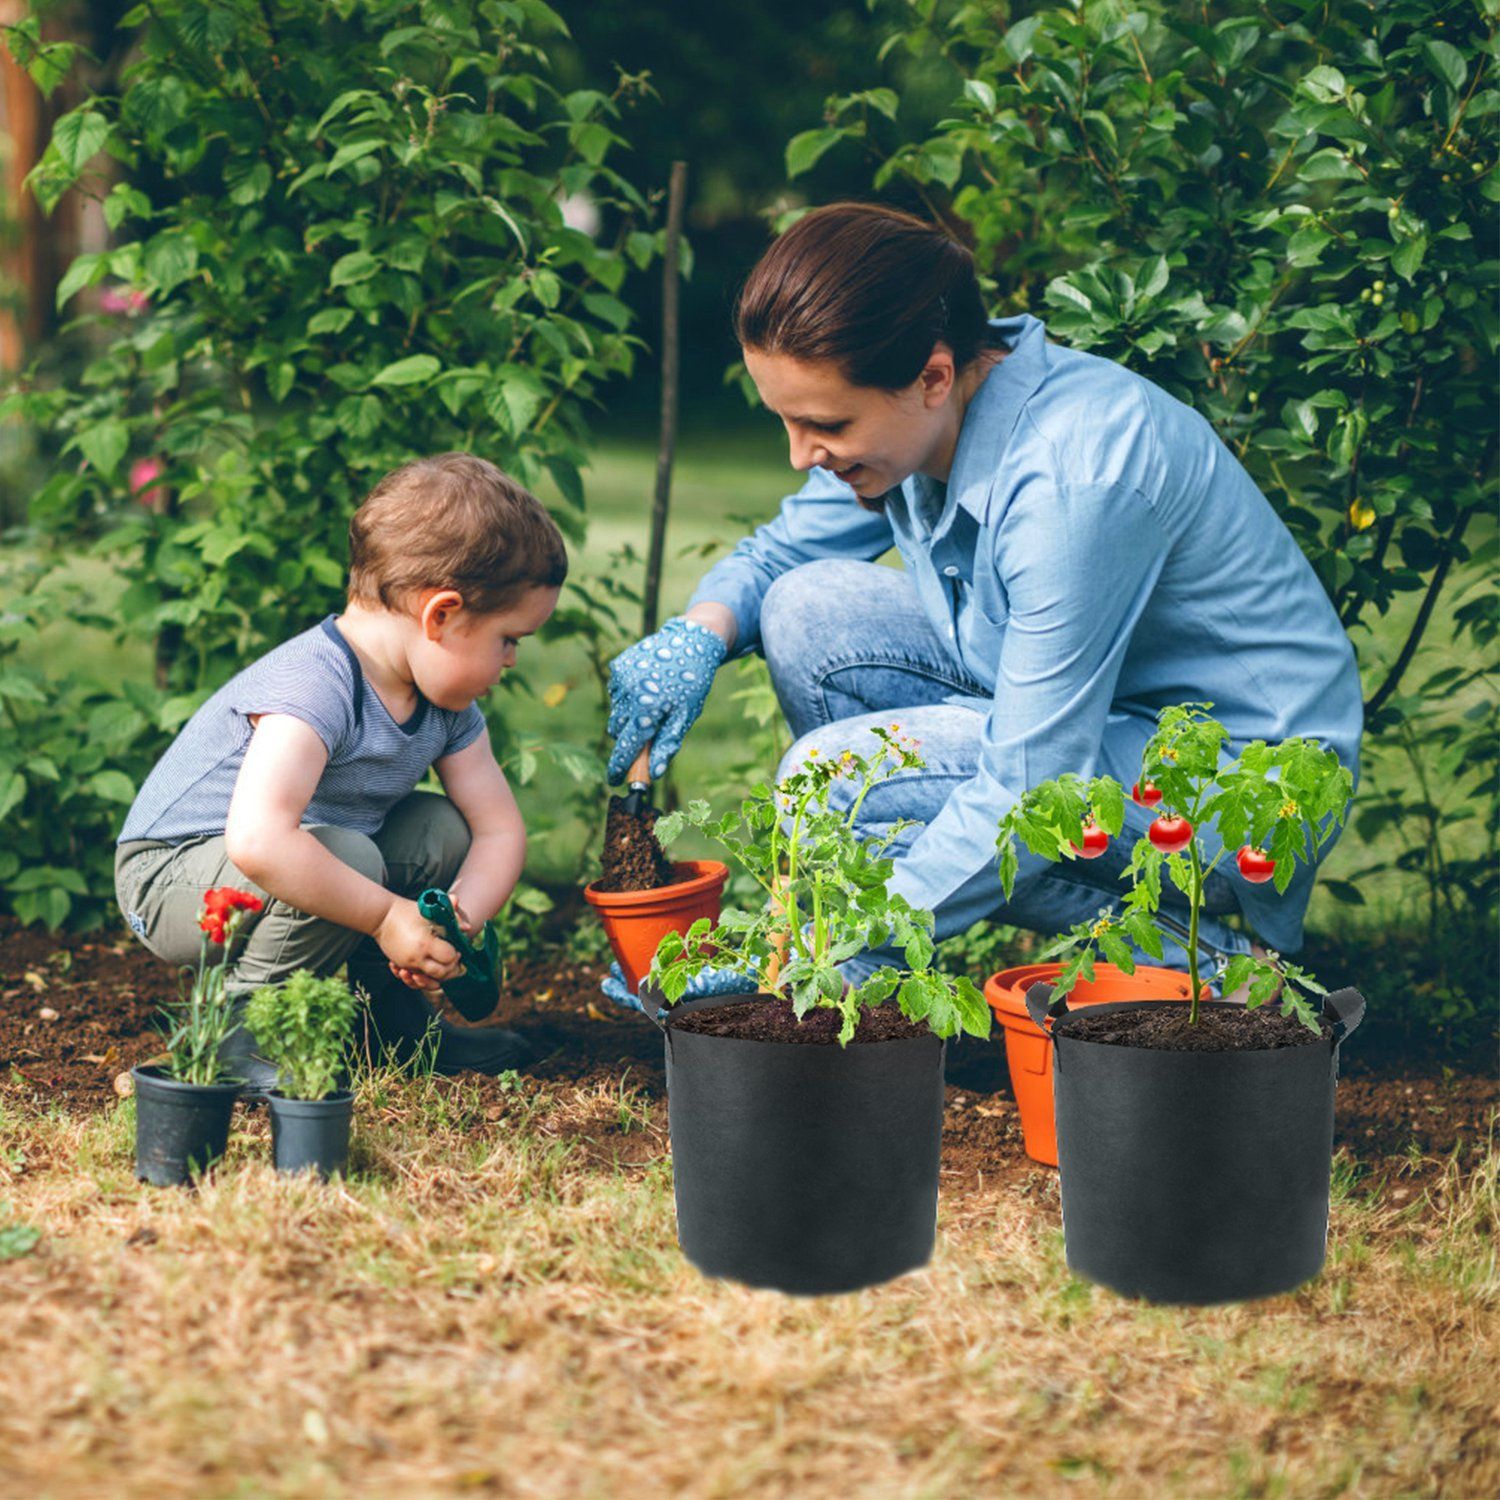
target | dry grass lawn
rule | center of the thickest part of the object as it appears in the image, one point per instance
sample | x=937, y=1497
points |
x=494, y=1303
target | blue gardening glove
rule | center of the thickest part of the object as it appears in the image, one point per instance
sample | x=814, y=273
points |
x=657, y=688
x=709, y=982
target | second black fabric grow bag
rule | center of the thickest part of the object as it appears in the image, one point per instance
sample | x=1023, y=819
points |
x=807, y=1168
x=311, y=1134
x=1194, y=1177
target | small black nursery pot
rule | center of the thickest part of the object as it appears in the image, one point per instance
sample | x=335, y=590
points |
x=311, y=1133
x=802, y=1167
x=181, y=1129
x=1194, y=1176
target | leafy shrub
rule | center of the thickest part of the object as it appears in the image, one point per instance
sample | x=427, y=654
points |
x=341, y=244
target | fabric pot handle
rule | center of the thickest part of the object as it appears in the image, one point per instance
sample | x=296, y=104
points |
x=1345, y=1009
x=653, y=1004
x=1041, y=1007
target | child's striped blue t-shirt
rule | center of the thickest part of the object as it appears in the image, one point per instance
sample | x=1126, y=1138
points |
x=373, y=762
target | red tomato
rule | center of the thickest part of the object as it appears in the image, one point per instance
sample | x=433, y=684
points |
x=1170, y=834
x=1145, y=796
x=1095, y=842
x=1255, y=864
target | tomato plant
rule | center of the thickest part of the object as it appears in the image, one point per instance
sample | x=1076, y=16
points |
x=1279, y=802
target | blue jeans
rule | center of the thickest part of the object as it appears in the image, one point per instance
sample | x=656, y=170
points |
x=849, y=647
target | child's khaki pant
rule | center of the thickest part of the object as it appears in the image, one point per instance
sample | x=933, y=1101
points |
x=160, y=889
x=422, y=843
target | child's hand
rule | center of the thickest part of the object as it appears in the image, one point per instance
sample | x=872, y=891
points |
x=418, y=955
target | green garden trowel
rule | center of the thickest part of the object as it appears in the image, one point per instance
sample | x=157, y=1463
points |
x=475, y=992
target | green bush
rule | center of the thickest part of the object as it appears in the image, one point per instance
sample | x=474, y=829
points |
x=302, y=1027
x=1284, y=214
x=344, y=220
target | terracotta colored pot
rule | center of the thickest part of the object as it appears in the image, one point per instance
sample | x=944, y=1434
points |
x=636, y=921
x=1028, y=1052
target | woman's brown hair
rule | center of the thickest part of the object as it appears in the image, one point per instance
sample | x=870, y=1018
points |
x=868, y=289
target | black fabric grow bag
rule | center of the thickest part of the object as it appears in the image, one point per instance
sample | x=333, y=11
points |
x=311, y=1133
x=807, y=1168
x=1194, y=1177
x=181, y=1129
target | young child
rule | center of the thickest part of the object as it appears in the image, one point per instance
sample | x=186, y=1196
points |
x=296, y=778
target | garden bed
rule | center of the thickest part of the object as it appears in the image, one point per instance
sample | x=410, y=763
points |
x=1393, y=1106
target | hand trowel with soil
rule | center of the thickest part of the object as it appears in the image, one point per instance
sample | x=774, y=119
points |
x=633, y=859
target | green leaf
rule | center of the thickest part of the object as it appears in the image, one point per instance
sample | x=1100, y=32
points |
x=112, y=786
x=249, y=186
x=353, y=151
x=170, y=259
x=1063, y=293
x=1447, y=62
x=977, y=91
x=85, y=271
x=12, y=791
x=78, y=137
x=104, y=444
x=521, y=394
x=1018, y=40
x=1323, y=83
x=804, y=151
x=1408, y=256
x=1343, y=890
x=412, y=370
x=351, y=269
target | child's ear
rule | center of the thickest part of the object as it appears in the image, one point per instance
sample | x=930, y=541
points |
x=439, y=609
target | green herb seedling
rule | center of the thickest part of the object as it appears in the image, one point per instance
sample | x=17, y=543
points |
x=827, y=900
x=302, y=1026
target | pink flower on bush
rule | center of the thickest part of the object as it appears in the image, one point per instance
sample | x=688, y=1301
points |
x=123, y=299
x=145, y=476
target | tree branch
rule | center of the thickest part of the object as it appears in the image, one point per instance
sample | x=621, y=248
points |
x=1424, y=614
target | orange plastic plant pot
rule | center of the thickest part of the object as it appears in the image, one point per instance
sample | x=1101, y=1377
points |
x=1028, y=1051
x=636, y=921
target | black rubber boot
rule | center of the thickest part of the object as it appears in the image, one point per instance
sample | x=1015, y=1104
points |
x=402, y=1026
x=243, y=1061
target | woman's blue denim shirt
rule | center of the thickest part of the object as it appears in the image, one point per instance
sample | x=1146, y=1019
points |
x=1099, y=554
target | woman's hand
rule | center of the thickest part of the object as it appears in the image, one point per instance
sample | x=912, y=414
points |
x=657, y=688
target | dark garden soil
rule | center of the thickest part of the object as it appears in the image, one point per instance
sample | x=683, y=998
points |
x=77, y=1010
x=1166, y=1028
x=775, y=1021
x=633, y=860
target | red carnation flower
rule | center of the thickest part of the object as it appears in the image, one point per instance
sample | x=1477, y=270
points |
x=220, y=906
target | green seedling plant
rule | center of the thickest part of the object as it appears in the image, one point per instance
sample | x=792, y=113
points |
x=302, y=1027
x=1273, y=805
x=827, y=899
x=197, y=1027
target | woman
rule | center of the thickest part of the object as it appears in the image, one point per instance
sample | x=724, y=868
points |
x=1079, y=549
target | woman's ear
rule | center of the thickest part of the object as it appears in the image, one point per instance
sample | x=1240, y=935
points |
x=439, y=609
x=937, y=376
